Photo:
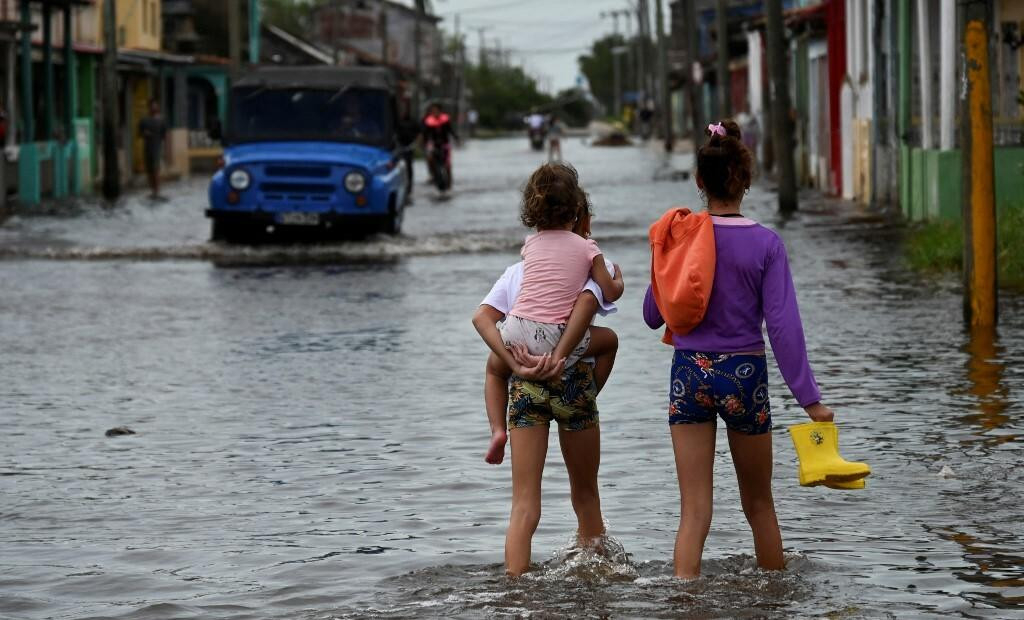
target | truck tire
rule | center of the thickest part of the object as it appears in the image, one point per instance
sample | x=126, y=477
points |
x=393, y=220
x=219, y=230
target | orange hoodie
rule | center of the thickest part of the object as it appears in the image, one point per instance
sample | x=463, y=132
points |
x=682, y=268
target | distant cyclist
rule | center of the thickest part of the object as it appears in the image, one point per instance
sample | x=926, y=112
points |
x=437, y=129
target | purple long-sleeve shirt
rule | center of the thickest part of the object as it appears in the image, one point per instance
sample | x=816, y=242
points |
x=752, y=285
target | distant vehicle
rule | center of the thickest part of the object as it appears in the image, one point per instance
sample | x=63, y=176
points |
x=536, y=130
x=310, y=148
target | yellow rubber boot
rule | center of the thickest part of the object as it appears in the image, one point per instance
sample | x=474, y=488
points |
x=844, y=486
x=817, y=447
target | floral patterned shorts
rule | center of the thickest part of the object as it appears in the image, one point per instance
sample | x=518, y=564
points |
x=571, y=400
x=735, y=387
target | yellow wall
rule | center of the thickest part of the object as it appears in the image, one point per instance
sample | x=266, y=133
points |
x=141, y=94
x=139, y=24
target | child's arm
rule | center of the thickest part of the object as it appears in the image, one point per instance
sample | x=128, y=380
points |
x=576, y=327
x=611, y=285
x=786, y=333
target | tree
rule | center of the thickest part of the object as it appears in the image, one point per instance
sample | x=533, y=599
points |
x=502, y=95
x=574, y=107
x=599, y=69
x=289, y=15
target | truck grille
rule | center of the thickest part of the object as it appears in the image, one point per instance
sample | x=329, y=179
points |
x=312, y=172
x=297, y=192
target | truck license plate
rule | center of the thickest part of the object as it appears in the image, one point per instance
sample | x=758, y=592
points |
x=298, y=218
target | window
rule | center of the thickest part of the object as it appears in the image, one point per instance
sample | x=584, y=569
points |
x=145, y=16
x=155, y=17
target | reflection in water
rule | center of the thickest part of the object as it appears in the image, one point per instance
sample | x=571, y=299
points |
x=985, y=383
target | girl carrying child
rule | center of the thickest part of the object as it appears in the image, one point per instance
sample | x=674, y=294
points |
x=546, y=328
x=719, y=367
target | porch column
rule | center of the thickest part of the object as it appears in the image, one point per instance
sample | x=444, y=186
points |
x=28, y=120
x=180, y=117
x=70, y=74
x=947, y=71
x=48, y=115
x=925, y=67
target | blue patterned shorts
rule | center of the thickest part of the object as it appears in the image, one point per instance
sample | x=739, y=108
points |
x=735, y=387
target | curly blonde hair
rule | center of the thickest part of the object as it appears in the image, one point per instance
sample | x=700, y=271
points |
x=553, y=198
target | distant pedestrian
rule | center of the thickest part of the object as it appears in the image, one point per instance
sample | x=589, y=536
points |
x=719, y=368
x=556, y=129
x=153, y=130
x=472, y=117
x=408, y=134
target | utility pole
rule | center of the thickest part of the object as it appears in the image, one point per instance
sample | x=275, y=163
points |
x=666, y=94
x=480, y=30
x=617, y=53
x=459, y=68
x=979, y=209
x=382, y=26
x=693, y=80
x=234, y=37
x=417, y=96
x=640, y=43
x=781, y=122
x=111, y=170
x=724, y=82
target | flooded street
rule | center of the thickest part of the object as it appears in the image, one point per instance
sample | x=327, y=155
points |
x=310, y=428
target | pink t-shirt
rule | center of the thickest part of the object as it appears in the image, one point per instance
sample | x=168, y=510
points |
x=556, y=266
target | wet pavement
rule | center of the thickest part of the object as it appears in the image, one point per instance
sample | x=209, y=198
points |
x=310, y=433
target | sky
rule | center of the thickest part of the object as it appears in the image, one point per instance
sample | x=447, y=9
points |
x=544, y=36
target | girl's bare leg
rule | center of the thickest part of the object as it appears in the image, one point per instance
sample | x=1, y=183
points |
x=694, y=447
x=581, y=451
x=604, y=344
x=752, y=457
x=529, y=449
x=496, y=403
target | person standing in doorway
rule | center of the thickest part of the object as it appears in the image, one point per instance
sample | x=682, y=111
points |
x=153, y=130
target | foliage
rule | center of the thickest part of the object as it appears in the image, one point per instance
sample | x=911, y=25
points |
x=502, y=95
x=599, y=68
x=938, y=246
x=574, y=108
x=289, y=15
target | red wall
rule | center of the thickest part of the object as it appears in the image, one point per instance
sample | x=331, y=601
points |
x=836, y=73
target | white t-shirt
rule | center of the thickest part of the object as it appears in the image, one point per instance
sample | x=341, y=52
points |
x=504, y=292
x=536, y=121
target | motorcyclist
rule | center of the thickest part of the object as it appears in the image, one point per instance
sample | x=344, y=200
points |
x=535, y=122
x=437, y=129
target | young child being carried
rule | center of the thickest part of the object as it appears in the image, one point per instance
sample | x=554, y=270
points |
x=546, y=326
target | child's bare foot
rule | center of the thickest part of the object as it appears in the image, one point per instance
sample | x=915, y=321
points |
x=496, y=451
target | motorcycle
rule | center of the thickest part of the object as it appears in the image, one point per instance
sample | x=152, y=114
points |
x=439, y=165
x=536, y=138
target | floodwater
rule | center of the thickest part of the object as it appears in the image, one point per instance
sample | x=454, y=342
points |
x=310, y=433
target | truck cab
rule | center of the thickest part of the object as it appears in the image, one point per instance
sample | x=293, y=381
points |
x=314, y=148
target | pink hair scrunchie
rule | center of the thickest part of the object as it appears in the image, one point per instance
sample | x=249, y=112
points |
x=716, y=128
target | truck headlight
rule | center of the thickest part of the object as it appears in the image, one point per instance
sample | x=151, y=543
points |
x=239, y=179
x=355, y=182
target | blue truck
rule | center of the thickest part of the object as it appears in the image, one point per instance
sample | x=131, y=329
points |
x=311, y=148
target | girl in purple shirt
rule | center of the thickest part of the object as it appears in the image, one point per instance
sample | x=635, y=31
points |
x=719, y=368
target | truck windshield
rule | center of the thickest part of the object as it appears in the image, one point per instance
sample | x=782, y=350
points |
x=344, y=115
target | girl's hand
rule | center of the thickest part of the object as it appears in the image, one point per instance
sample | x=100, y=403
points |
x=819, y=412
